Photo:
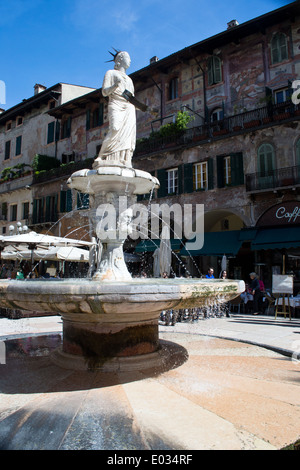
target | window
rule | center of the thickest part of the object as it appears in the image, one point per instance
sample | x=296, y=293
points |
x=8, y=125
x=94, y=118
x=279, y=49
x=173, y=89
x=200, y=176
x=7, y=150
x=283, y=95
x=13, y=212
x=50, y=136
x=66, y=128
x=214, y=70
x=217, y=115
x=66, y=201
x=18, y=145
x=172, y=181
x=230, y=170
x=25, y=210
x=19, y=121
x=227, y=170
x=68, y=157
x=266, y=160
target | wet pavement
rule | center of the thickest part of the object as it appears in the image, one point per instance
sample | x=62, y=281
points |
x=219, y=389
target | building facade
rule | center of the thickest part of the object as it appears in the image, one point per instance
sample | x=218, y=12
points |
x=239, y=155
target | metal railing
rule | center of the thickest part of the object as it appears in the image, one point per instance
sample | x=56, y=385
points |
x=278, y=178
x=256, y=118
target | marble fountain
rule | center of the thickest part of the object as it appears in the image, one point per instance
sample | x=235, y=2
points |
x=110, y=322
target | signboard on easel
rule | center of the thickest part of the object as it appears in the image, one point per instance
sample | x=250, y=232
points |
x=282, y=284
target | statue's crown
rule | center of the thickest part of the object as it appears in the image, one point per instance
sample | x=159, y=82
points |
x=114, y=55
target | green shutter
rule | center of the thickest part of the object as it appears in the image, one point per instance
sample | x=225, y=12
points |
x=210, y=71
x=50, y=137
x=18, y=145
x=34, y=211
x=47, y=212
x=237, y=169
x=220, y=171
x=57, y=131
x=210, y=165
x=69, y=126
x=161, y=176
x=69, y=201
x=63, y=197
x=101, y=111
x=88, y=119
x=217, y=70
x=55, y=207
x=188, y=178
x=7, y=150
x=180, y=179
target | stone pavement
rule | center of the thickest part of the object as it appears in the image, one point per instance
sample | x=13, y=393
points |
x=212, y=393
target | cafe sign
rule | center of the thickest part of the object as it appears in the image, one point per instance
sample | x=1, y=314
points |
x=287, y=214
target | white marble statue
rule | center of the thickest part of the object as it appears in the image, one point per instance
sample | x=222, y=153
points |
x=119, y=143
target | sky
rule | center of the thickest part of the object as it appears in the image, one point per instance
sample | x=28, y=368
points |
x=52, y=41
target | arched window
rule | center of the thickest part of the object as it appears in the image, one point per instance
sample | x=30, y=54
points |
x=266, y=160
x=279, y=48
x=214, y=70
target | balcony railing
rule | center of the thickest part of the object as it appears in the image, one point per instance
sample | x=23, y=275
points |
x=274, y=179
x=243, y=122
x=63, y=171
x=43, y=219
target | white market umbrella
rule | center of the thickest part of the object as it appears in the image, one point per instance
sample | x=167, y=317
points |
x=165, y=252
x=67, y=253
x=34, y=241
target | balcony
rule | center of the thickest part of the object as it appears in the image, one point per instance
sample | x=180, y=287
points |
x=64, y=171
x=42, y=220
x=239, y=123
x=276, y=179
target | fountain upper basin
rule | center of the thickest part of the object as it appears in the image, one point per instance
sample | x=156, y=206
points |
x=115, y=301
x=111, y=178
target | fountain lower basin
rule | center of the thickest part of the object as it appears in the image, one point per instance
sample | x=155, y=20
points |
x=112, y=325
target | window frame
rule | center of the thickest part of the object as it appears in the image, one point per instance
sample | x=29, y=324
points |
x=172, y=181
x=200, y=178
x=214, y=70
x=277, y=48
x=263, y=155
x=13, y=217
x=173, y=92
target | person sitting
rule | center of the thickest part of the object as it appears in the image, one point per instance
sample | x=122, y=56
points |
x=210, y=274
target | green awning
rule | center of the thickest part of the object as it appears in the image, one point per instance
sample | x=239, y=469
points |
x=247, y=234
x=276, y=238
x=217, y=244
x=151, y=245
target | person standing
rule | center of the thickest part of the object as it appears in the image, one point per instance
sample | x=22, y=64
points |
x=255, y=290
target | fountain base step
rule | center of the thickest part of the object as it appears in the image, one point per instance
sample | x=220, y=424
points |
x=157, y=360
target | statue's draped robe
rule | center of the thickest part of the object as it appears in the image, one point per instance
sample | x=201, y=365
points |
x=119, y=143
